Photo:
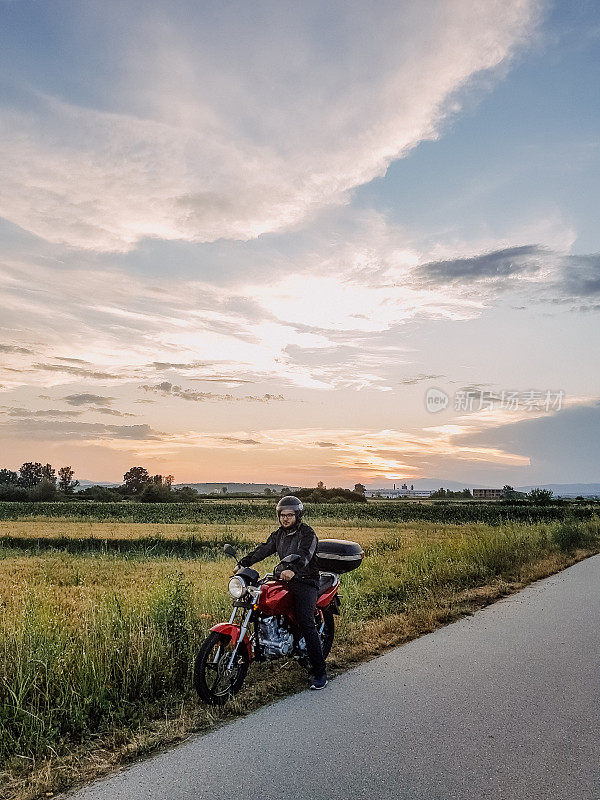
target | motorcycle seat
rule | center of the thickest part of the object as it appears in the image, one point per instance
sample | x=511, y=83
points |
x=326, y=582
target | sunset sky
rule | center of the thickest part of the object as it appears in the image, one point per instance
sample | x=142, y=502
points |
x=241, y=241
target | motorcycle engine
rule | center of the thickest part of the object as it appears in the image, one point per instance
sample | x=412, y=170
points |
x=275, y=639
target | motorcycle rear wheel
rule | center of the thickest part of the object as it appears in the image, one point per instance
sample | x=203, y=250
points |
x=328, y=632
x=214, y=683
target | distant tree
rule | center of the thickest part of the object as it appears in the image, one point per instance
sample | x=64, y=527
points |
x=359, y=488
x=268, y=491
x=10, y=491
x=448, y=494
x=510, y=493
x=185, y=494
x=224, y=490
x=285, y=490
x=8, y=478
x=157, y=479
x=49, y=473
x=45, y=491
x=336, y=495
x=320, y=485
x=154, y=492
x=169, y=480
x=30, y=474
x=65, y=480
x=100, y=494
x=540, y=497
x=135, y=479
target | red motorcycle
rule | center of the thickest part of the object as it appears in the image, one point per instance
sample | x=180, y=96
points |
x=267, y=630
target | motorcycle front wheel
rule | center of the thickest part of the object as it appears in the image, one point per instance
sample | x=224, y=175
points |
x=214, y=682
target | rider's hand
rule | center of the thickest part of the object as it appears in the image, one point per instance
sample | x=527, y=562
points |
x=287, y=574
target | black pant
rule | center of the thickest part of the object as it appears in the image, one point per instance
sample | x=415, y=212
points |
x=305, y=595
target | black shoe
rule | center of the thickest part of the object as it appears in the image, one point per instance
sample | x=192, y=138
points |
x=320, y=682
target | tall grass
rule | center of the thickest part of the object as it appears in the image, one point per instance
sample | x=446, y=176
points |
x=392, y=582
x=60, y=683
x=70, y=672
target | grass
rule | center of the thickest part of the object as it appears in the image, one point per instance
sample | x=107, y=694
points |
x=96, y=647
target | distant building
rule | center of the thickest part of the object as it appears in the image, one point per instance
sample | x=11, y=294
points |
x=393, y=494
x=487, y=494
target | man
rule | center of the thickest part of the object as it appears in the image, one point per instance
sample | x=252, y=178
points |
x=295, y=543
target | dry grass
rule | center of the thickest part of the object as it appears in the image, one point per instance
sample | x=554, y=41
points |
x=253, y=531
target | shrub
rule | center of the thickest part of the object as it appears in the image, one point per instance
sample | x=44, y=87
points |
x=43, y=492
x=156, y=493
x=100, y=494
x=571, y=533
x=13, y=493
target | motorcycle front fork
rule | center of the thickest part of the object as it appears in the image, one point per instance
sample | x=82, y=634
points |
x=243, y=630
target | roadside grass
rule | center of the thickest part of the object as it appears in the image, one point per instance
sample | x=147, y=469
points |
x=96, y=649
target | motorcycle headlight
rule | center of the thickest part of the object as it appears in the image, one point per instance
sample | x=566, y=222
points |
x=237, y=587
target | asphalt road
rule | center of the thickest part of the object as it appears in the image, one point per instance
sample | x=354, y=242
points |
x=502, y=705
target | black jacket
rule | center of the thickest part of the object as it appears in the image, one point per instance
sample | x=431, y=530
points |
x=296, y=547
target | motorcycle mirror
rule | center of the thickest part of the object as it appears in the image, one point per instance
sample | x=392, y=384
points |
x=230, y=550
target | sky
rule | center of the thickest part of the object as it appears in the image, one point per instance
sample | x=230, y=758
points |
x=281, y=243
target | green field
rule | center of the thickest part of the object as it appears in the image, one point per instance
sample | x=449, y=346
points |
x=223, y=511
x=100, y=621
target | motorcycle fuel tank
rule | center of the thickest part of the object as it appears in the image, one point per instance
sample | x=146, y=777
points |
x=275, y=598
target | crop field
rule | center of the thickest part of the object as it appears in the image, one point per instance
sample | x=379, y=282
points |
x=100, y=621
x=234, y=512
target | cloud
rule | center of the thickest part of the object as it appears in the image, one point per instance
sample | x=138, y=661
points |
x=499, y=265
x=581, y=276
x=415, y=379
x=167, y=388
x=25, y=413
x=237, y=441
x=570, y=437
x=79, y=372
x=334, y=321
x=9, y=348
x=112, y=412
x=289, y=123
x=97, y=403
x=164, y=365
x=85, y=399
x=378, y=453
x=545, y=274
x=60, y=430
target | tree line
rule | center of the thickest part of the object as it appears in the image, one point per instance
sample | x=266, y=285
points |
x=539, y=497
x=36, y=481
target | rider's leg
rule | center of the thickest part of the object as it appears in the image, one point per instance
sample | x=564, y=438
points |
x=305, y=600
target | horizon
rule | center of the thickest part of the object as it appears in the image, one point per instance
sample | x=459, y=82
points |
x=447, y=483
x=331, y=243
